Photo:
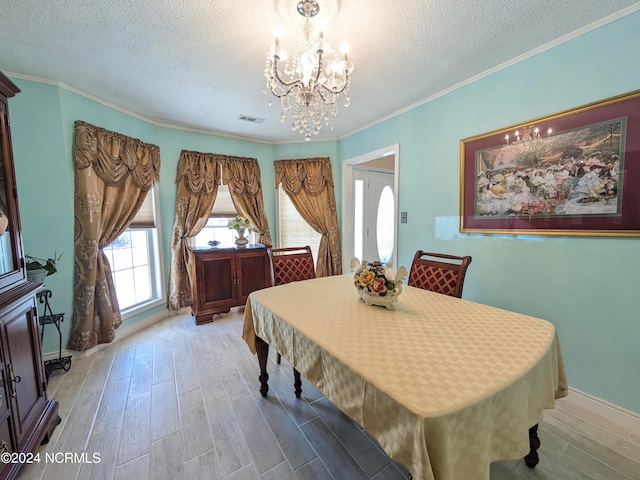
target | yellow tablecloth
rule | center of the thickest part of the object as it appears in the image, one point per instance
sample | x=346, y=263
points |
x=446, y=386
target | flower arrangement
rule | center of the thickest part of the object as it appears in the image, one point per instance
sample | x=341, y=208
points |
x=240, y=224
x=377, y=283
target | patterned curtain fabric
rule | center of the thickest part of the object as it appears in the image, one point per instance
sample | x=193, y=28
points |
x=242, y=175
x=309, y=184
x=199, y=175
x=113, y=174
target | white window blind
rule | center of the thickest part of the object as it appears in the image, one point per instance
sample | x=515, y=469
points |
x=293, y=230
x=145, y=218
x=223, y=205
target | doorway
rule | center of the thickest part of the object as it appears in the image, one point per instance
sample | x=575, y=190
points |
x=370, y=207
x=374, y=214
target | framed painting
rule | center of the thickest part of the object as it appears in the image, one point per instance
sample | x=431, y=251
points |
x=573, y=173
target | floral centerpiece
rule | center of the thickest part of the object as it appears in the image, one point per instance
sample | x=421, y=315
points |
x=240, y=225
x=377, y=283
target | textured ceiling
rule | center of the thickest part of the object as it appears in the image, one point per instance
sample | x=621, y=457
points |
x=199, y=63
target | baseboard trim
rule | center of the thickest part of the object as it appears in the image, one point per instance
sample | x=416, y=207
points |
x=120, y=334
x=596, y=411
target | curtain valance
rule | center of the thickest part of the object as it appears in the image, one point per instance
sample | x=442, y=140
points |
x=114, y=156
x=242, y=175
x=199, y=172
x=311, y=174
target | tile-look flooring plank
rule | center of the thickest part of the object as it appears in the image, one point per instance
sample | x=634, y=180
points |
x=205, y=466
x=167, y=461
x=227, y=437
x=135, y=438
x=164, y=410
x=314, y=470
x=111, y=410
x=101, y=456
x=263, y=447
x=293, y=443
x=355, y=441
x=197, y=438
x=141, y=373
x=279, y=472
x=342, y=464
x=138, y=469
x=180, y=401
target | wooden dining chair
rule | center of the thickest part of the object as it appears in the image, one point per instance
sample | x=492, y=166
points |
x=291, y=264
x=439, y=272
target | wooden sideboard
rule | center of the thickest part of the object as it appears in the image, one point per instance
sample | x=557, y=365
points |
x=225, y=276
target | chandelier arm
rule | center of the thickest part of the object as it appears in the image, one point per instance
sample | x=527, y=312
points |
x=286, y=91
x=319, y=67
x=276, y=73
x=330, y=90
x=320, y=90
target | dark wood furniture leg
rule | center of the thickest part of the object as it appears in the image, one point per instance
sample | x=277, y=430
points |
x=532, y=458
x=262, y=350
x=297, y=383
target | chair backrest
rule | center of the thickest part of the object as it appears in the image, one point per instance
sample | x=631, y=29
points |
x=291, y=264
x=439, y=272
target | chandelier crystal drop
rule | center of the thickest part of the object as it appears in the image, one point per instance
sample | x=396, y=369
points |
x=310, y=79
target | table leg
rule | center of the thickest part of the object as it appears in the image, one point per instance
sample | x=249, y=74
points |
x=297, y=383
x=262, y=350
x=532, y=458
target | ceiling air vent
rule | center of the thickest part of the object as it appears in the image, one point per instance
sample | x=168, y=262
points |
x=247, y=118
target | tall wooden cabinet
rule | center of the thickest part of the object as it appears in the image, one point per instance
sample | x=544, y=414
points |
x=27, y=417
x=224, y=278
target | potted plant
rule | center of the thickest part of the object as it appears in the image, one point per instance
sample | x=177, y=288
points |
x=38, y=268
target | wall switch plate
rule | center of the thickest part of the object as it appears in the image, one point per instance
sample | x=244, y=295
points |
x=403, y=217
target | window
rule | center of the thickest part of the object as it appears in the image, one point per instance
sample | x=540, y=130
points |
x=216, y=230
x=358, y=219
x=293, y=230
x=135, y=261
x=385, y=219
x=216, y=227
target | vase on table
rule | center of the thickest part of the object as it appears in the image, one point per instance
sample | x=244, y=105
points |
x=388, y=300
x=377, y=283
x=241, y=241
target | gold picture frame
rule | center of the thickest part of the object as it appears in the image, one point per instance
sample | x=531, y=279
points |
x=576, y=172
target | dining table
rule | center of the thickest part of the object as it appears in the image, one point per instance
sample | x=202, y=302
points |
x=445, y=385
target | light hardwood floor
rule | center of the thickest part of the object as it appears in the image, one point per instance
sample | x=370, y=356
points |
x=180, y=401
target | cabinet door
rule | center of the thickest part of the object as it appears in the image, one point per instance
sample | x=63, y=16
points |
x=23, y=367
x=252, y=272
x=215, y=282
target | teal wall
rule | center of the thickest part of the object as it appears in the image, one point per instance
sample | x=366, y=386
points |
x=586, y=286
x=42, y=122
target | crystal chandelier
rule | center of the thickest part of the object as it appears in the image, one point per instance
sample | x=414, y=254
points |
x=309, y=80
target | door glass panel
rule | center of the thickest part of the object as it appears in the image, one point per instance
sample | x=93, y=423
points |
x=384, y=224
x=6, y=252
x=358, y=219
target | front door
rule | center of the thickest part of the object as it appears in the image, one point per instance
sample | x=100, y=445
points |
x=374, y=215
